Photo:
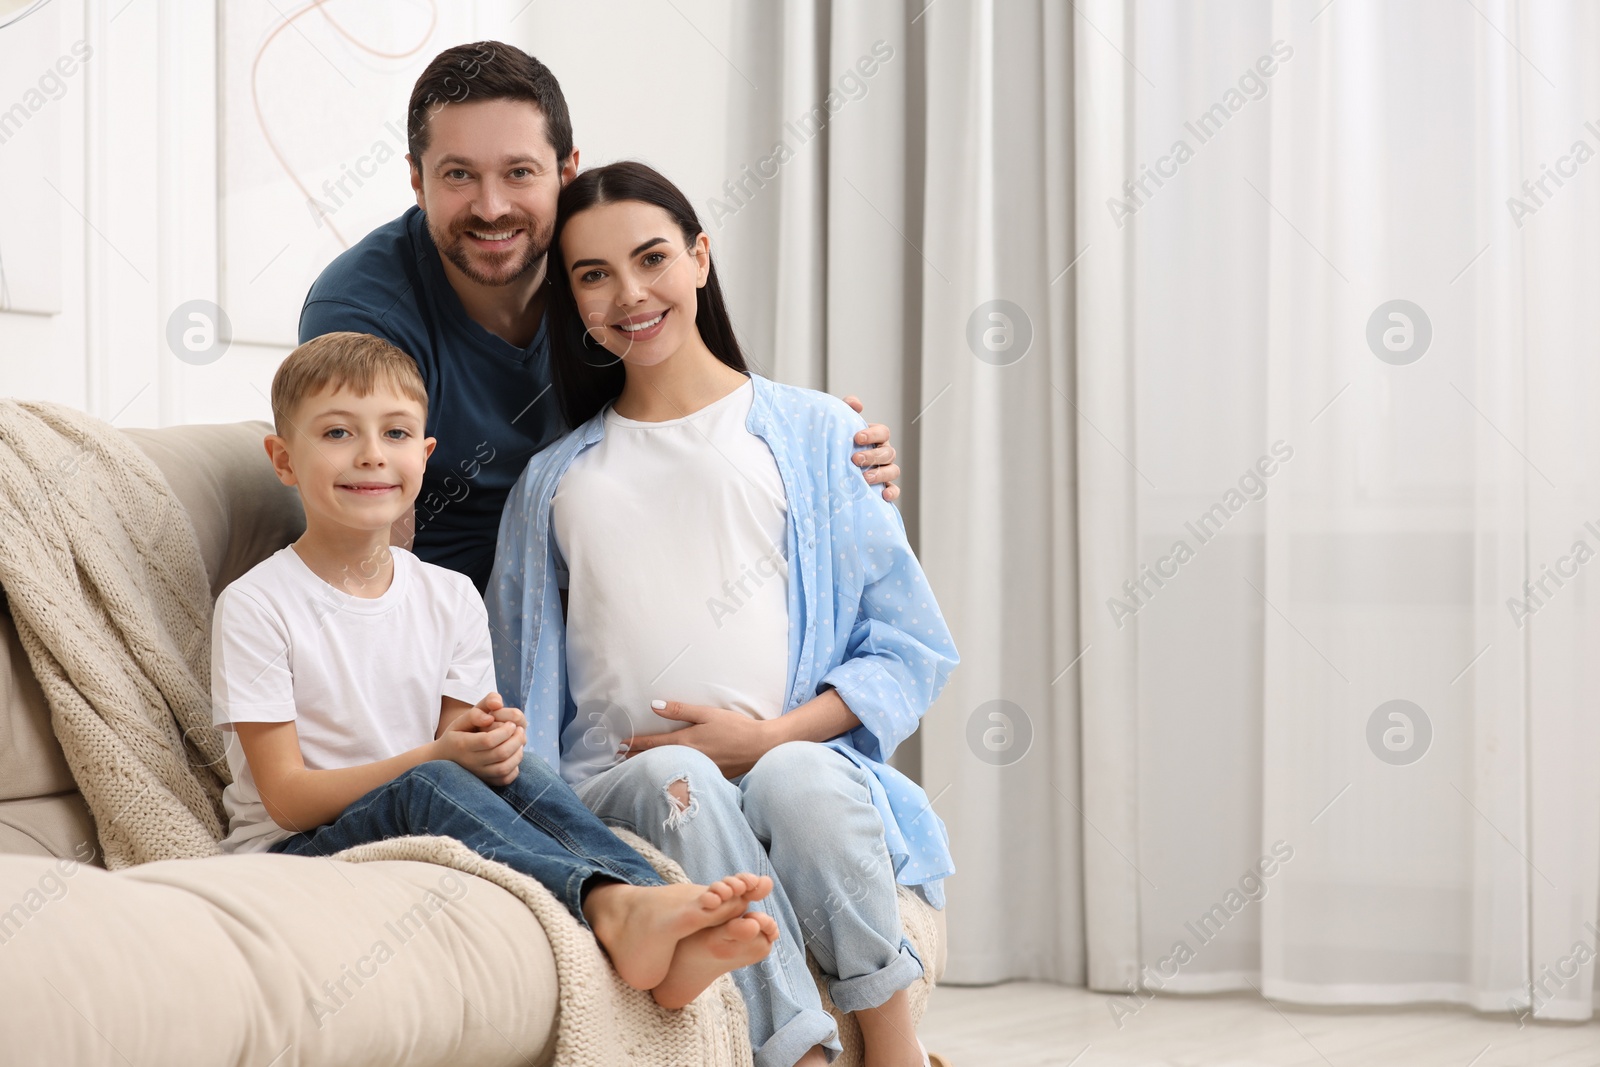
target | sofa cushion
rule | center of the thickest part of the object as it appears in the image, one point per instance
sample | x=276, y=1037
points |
x=234, y=959
x=241, y=513
x=58, y=825
x=31, y=761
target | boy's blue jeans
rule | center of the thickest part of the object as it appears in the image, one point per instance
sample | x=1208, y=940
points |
x=535, y=825
x=804, y=815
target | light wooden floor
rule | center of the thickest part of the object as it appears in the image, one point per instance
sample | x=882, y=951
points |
x=1027, y=1024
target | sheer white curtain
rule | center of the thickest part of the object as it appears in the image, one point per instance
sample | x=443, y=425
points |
x=1358, y=509
x=1230, y=548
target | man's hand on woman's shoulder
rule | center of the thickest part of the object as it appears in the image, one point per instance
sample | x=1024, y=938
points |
x=876, y=455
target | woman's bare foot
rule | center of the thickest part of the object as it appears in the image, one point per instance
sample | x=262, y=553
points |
x=701, y=957
x=640, y=926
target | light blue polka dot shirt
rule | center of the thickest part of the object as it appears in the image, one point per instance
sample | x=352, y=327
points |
x=862, y=618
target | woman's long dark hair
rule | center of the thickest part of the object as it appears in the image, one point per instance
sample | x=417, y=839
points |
x=585, y=375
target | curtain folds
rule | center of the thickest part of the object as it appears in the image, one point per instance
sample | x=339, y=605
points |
x=914, y=252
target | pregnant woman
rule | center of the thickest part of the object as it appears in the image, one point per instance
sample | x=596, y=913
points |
x=699, y=603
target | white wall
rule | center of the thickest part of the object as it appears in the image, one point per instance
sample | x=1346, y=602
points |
x=168, y=193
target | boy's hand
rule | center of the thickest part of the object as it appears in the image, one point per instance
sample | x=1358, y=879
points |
x=485, y=743
x=497, y=708
x=492, y=704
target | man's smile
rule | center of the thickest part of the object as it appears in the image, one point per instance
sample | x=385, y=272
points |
x=496, y=240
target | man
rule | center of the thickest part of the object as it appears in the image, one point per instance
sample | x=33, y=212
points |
x=458, y=282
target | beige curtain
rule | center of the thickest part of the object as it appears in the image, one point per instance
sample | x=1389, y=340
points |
x=915, y=253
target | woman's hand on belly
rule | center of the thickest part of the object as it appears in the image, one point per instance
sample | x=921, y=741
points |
x=733, y=740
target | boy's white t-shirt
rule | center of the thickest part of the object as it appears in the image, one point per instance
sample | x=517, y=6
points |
x=362, y=678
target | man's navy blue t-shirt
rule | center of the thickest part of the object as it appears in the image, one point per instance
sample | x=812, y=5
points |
x=489, y=403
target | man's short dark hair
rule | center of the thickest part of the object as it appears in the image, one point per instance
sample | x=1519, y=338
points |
x=487, y=70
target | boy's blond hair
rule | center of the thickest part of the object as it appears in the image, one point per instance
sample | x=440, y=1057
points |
x=359, y=362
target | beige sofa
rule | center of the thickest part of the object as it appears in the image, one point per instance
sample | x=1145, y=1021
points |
x=260, y=959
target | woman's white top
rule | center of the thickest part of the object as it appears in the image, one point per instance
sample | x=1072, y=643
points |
x=673, y=534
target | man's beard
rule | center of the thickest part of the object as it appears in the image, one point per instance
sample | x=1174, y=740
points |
x=454, y=248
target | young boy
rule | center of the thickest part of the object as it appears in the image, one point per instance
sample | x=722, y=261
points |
x=360, y=684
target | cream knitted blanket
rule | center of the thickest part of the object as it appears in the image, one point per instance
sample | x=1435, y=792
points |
x=110, y=600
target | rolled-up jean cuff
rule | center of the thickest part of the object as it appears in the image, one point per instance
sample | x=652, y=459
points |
x=871, y=990
x=572, y=895
x=798, y=1036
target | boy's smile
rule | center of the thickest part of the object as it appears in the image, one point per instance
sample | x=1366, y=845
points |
x=370, y=488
